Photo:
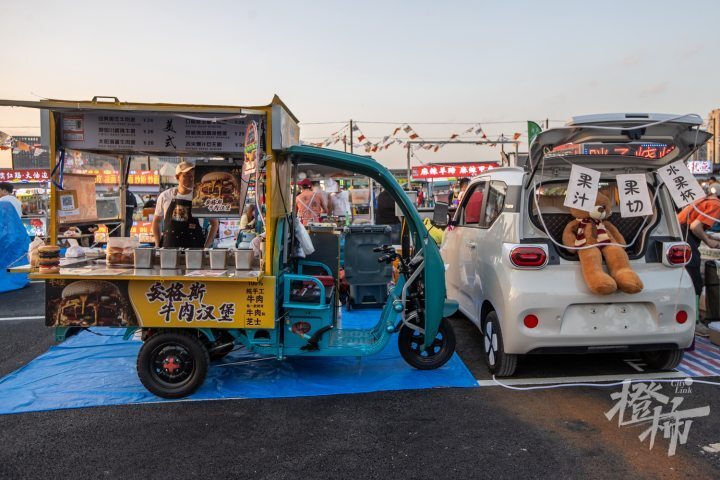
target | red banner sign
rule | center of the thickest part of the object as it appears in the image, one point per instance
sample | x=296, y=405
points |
x=19, y=176
x=452, y=170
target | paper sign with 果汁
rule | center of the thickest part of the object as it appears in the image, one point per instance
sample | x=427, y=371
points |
x=634, y=195
x=582, y=188
x=681, y=184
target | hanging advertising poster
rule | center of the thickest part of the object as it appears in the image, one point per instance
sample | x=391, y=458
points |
x=250, y=162
x=217, y=192
x=176, y=133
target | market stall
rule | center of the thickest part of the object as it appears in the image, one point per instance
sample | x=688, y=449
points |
x=193, y=304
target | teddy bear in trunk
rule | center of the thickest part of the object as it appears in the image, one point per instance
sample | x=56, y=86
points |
x=591, y=229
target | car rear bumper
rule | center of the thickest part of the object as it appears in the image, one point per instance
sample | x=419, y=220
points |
x=572, y=319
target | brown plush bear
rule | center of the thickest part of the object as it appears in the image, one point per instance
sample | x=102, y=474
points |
x=589, y=228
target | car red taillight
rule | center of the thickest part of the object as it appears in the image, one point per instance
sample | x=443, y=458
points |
x=528, y=257
x=681, y=316
x=531, y=321
x=679, y=254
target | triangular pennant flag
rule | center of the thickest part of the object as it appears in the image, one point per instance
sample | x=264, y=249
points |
x=516, y=135
x=478, y=130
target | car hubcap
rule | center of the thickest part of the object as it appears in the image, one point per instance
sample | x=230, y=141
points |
x=172, y=364
x=417, y=345
x=491, y=343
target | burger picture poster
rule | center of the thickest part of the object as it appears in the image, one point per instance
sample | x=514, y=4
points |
x=217, y=191
x=88, y=303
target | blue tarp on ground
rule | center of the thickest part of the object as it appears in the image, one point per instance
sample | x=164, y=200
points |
x=14, y=243
x=91, y=370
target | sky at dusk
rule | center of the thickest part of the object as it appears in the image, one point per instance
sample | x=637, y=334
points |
x=398, y=62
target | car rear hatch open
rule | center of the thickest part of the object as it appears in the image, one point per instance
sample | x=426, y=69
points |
x=641, y=142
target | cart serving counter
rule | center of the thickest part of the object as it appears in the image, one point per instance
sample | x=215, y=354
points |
x=284, y=305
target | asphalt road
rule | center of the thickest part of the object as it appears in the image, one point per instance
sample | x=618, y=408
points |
x=440, y=433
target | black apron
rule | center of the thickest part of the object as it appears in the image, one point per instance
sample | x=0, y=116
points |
x=181, y=229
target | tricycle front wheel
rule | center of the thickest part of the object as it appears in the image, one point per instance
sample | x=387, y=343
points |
x=173, y=364
x=412, y=347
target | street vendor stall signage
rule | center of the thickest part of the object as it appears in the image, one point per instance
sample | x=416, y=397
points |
x=453, y=170
x=205, y=304
x=217, y=192
x=582, y=188
x=682, y=185
x=634, y=195
x=127, y=303
x=19, y=176
x=250, y=163
x=157, y=133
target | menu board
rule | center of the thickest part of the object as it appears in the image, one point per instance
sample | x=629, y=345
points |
x=217, y=191
x=174, y=133
x=76, y=202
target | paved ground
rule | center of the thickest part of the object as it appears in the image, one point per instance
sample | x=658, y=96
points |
x=441, y=433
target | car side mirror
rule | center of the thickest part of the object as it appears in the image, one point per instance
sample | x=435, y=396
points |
x=440, y=215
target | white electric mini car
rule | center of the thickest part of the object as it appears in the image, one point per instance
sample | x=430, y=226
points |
x=512, y=278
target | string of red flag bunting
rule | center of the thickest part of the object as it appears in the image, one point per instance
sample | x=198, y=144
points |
x=408, y=133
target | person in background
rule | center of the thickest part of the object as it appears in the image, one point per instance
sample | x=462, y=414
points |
x=385, y=215
x=696, y=219
x=130, y=206
x=713, y=183
x=173, y=212
x=310, y=204
x=248, y=220
x=464, y=182
x=340, y=203
x=6, y=195
x=420, y=197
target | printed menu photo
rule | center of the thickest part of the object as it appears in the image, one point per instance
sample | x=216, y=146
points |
x=217, y=192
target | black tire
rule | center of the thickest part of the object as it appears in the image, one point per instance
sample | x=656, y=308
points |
x=663, y=359
x=173, y=364
x=411, y=344
x=499, y=363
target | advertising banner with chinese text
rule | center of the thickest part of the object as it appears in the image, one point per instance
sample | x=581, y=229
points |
x=20, y=176
x=452, y=170
x=155, y=133
x=169, y=304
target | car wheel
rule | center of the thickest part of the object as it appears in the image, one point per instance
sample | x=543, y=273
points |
x=663, y=359
x=172, y=364
x=499, y=363
x=411, y=344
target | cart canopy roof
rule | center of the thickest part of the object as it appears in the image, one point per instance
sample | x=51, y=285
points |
x=103, y=103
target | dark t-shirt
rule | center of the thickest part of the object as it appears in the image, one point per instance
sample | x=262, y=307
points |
x=385, y=211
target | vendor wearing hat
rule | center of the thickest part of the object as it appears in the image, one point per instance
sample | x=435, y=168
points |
x=173, y=210
x=310, y=204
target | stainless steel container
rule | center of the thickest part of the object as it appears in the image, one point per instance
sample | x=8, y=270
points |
x=143, y=257
x=168, y=258
x=243, y=259
x=193, y=258
x=218, y=258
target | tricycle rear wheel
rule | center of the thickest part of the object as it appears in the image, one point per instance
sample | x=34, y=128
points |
x=412, y=347
x=172, y=364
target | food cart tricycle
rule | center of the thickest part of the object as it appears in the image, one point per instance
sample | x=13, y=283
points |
x=284, y=305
